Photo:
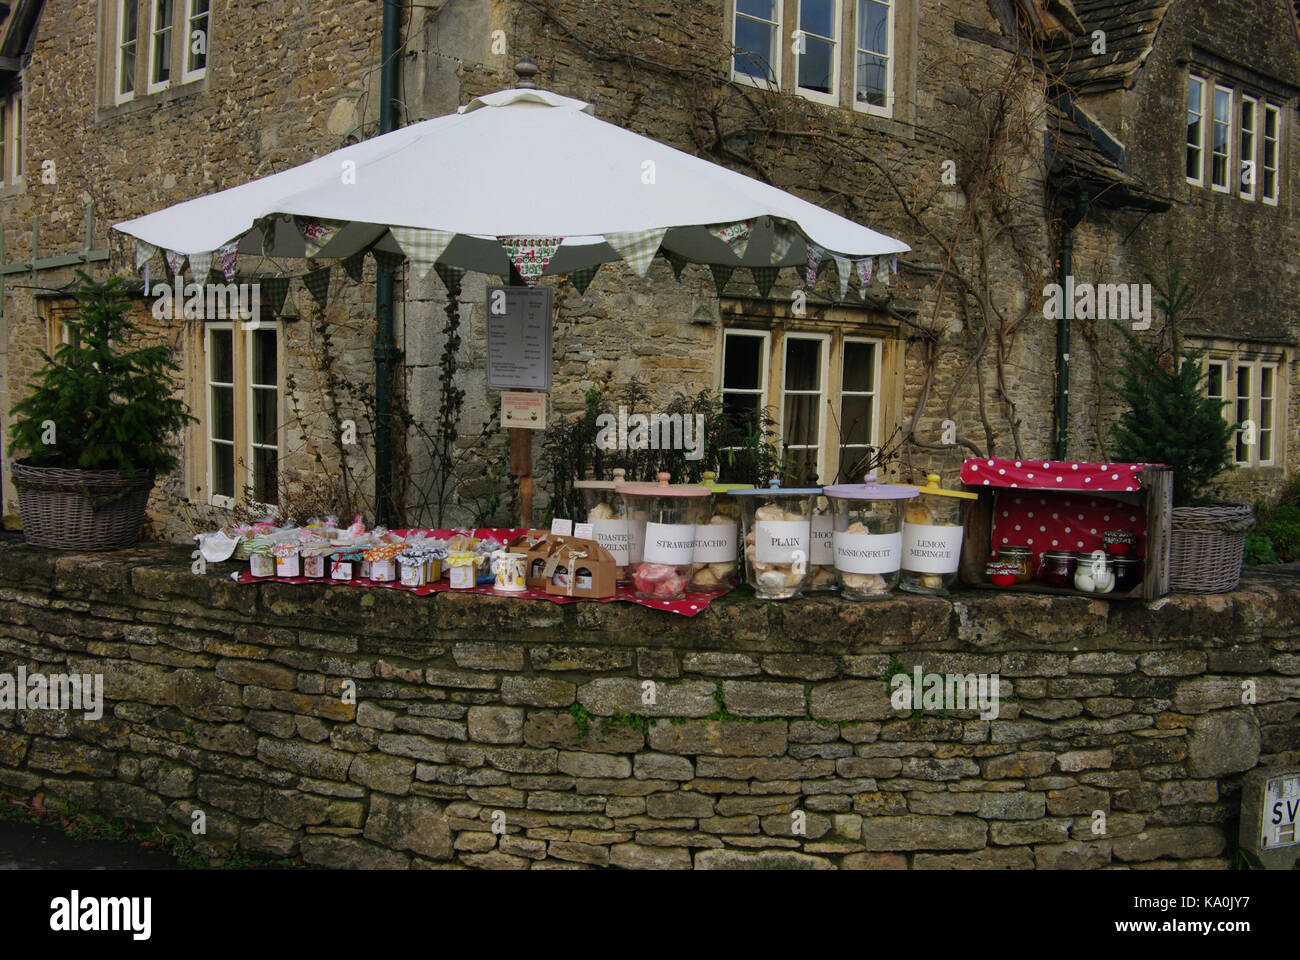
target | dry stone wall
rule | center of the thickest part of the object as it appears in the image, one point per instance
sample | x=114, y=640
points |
x=771, y=742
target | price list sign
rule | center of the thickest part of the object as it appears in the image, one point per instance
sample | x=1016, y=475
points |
x=519, y=338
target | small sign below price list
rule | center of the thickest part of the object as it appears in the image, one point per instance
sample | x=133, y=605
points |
x=525, y=411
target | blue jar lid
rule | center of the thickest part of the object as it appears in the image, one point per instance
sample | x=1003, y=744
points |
x=773, y=490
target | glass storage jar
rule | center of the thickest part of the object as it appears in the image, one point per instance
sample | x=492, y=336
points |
x=778, y=534
x=1128, y=573
x=607, y=514
x=1094, y=572
x=1022, y=557
x=821, y=546
x=1056, y=568
x=868, y=537
x=667, y=541
x=717, y=536
x=932, y=536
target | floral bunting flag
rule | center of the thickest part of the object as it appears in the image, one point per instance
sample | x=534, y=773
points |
x=675, y=260
x=637, y=248
x=721, y=274
x=422, y=247
x=316, y=233
x=735, y=235
x=783, y=237
x=531, y=255
x=581, y=279
x=318, y=283
x=815, y=254
x=175, y=261
x=274, y=290
x=450, y=276
x=355, y=266
x=227, y=257
x=764, y=277
x=143, y=253
x=386, y=260
x=200, y=265
x=864, y=267
x=845, y=270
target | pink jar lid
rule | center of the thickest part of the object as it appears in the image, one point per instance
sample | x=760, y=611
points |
x=662, y=489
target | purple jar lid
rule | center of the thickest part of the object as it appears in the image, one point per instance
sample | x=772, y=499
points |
x=871, y=490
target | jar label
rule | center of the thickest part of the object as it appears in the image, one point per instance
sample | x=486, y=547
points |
x=715, y=543
x=635, y=541
x=614, y=537
x=823, y=549
x=669, y=543
x=868, y=553
x=931, y=549
x=778, y=541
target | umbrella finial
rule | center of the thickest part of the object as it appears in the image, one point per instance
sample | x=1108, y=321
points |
x=525, y=69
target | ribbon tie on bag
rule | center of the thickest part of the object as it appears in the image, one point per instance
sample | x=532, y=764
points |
x=573, y=573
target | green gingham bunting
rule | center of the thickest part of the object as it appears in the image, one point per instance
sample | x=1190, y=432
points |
x=144, y=252
x=764, y=277
x=318, y=283
x=581, y=279
x=274, y=290
x=844, y=269
x=449, y=275
x=783, y=237
x=422, y=247
x=637, y=248
x=386, y=260
x=721, y=274
x=355, y=266
x=200, y=264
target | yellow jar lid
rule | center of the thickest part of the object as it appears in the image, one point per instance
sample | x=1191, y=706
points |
x=933, y=489
x=710, y=480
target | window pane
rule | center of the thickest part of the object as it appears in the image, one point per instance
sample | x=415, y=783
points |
x=265, y=369
x=222, y=357
x=754, y=54
x=1214, y=381
x=742, y=363
x=817, y=17
x=856, y=420
x=803, y=368
x=801, y=420
x=265, y=473
x=198, y=58
x=127, y=70
x=873, y=26
x=221, y=418
x=859, y=367
x=816, y=66
x=802, y=465
x=742, y=412
x=765, y=9
x=265, y=417
x=873, y=79
x=223, y=469
x=128, y=20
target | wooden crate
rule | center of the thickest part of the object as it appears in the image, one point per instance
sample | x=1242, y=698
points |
x=1156, y=498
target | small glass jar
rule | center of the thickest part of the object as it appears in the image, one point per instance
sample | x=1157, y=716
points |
x=1119, y=543
x=932, y=537
x=668, y=537
x=778, y=538
x=343, y=565
x=314, y=565
x=1022, y=557
x=821, y=547
x=717, y=536
x=1056, y=568
x=413, y=569
x=607, y=514
x=1094, y=572
x=868, y=536
x=1002, y=574
x=261, y=563
x=1128, y=573
x=462, y=566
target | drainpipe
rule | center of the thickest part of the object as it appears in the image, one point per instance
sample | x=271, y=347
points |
x=385, y=351
x=1072, y=220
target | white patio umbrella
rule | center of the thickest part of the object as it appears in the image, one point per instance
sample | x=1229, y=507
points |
x=523, y=175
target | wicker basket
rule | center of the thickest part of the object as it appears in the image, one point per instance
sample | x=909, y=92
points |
x=1206, y=547
x=81, y=509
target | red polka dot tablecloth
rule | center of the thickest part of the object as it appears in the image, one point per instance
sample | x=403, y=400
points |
x=1061, y=504
x=691, y=605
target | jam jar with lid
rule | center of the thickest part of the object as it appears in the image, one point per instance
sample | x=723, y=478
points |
x=1056, y=568
x=1022, y=557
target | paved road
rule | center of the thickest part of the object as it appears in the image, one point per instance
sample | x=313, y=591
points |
x=27, y=847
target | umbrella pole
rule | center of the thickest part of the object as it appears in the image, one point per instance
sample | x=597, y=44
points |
x=521, y=450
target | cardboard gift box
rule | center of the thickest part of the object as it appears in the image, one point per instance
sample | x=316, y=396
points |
x=580, y=568
x=536, y=546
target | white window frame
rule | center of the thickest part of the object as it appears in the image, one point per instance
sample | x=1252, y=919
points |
x=1215, y=123
x=890, y=61
x=831, y=99
x=1237, y=400
x=209, y=355
x=118, y=45
x=1222, y=365
x=1248, y=161
x=778, y=45
x=188, y=75
x=1276, y=169
x=765, y=356
x=252, y=445
x=157, y=86
x=877, y=349
x=824, y=391
x=1260, y=429
x=1188, y=146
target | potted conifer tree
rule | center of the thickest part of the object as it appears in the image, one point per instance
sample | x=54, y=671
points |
x=1171, y=420
x=100, y=425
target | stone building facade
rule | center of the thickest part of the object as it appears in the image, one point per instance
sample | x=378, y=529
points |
x=923, y=120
